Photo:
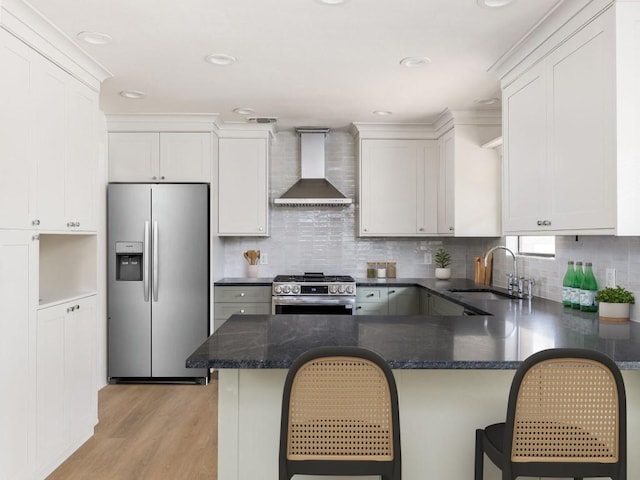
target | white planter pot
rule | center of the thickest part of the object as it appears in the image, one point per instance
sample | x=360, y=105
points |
x=443, y=273
x=613, y=312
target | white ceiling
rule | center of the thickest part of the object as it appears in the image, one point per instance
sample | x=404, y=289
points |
x=301, y=61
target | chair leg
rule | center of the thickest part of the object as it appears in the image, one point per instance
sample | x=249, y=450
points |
x=479, y=461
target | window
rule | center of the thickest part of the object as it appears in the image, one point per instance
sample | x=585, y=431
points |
x=535, y=246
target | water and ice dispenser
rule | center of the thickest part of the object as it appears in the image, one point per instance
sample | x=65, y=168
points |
x=129, y=261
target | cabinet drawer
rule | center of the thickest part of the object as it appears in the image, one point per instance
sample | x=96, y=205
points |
x=369, y=295
x=225, y=310
x=378, y=308
x=242, y=294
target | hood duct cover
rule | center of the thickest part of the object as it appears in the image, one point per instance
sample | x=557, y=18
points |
x=313, y=189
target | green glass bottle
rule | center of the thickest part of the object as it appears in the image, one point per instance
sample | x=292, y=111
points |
x=567, y=284
x=588, y=290
x=577, y=283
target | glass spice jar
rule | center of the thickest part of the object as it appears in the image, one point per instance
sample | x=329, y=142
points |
x=391, y=269
x=371, y=270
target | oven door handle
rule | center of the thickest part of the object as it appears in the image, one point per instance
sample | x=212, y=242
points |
x=312, y=300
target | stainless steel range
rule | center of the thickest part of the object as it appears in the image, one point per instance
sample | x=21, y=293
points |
x=313, y=293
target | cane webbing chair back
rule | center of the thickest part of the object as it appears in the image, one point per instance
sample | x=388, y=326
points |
x=340, y=415
x=555, y=421
x=566, y=417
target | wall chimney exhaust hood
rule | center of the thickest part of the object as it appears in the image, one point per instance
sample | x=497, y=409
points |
x=312, y=189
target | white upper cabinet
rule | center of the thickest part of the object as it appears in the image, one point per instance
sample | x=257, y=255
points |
x=398, y=187
x=160, y=157
x=48, y=152
x=243, y=168
x=570, y=140
x=441, y=182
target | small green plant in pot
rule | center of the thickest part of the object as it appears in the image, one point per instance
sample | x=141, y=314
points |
x=442, y=259
x=614, y=304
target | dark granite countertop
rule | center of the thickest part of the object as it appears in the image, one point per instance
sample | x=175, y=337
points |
x=510, y=331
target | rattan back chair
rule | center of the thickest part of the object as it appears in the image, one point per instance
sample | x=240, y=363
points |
x=566, y=417
x=340, y=415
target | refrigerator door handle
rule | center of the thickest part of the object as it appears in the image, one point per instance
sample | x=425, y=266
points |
x=145, y=264
x=154, y=279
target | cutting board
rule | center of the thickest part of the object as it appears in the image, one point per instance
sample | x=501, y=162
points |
x=482, y=273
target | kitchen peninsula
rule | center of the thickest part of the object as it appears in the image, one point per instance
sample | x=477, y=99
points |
x=453, y=374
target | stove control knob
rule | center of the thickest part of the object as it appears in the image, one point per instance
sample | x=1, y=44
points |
x=332, y=289
x=286, y=289
x=350, y=289
x=277, y=289
x=341, y=289
x=295, y=289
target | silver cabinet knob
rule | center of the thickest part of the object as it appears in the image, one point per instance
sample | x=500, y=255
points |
x=162, y=177
x=35, y=237
x=154, y=178
x=242, y=310
x=421, y=229
x=539, y=222
x=260, y=229
x=242, y=294
x=35, y=222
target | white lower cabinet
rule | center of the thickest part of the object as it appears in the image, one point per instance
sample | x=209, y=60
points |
x=387, y=301
x=18, y=294
x=66, y=406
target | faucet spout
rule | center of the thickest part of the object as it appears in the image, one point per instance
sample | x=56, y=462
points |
x=515, y=265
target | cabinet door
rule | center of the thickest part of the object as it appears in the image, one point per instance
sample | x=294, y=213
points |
x=134, y=157
x=388, y=187
x=404, y=301
x=16, y=206
x=582, y=150
x=18, y=294
x=185, y=157
x=242, y=186
x=81, y=165
x=52, y=423
x=427, y=190
x=525, y=193
x=446, y=184
x=49, y=142
x=80, y=368
x=372, y=301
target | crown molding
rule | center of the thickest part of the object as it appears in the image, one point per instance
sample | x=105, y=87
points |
x=26, y=23
x=244, y=130
x=161, y=122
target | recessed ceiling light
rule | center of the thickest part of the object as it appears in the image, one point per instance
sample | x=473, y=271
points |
x=244, y=111
x=133, y=94
x=220, y=59
x=382, y=113
x=94, y=38
x=331, y=2
x=494, y=3
x=486, y=101
x=415, y=62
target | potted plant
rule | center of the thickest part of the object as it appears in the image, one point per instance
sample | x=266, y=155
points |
x=613, y=304
x=442, y=260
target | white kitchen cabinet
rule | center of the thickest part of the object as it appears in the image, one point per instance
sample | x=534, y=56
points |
x=387, y=301
x=160, y=157
x=48, y=159
x=398, y=187
x=469, y=183
x=66, y=398
x=18, y=297
x=243, y=191
x=16, y=161
x=560, y=138
x=242, y=300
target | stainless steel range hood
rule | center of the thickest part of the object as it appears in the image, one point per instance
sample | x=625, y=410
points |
x=313, y=189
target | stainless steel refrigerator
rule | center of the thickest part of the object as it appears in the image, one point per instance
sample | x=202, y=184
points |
x=158, y=279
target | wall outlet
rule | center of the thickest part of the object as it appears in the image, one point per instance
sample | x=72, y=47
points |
x=611, y=277
x=427, y=259
x=264, y=258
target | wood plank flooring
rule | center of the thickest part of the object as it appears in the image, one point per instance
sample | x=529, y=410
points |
x=154, y=432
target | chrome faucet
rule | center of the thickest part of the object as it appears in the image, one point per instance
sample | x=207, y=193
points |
x=513, y=279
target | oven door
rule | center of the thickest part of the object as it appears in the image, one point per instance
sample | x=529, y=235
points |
x=313, y=305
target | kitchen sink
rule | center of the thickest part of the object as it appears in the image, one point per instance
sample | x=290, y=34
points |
x=479, y=294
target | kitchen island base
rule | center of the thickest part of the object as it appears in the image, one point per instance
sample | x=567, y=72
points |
x=439, y=413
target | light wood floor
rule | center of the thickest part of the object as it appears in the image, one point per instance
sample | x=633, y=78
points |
x=154, y=432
